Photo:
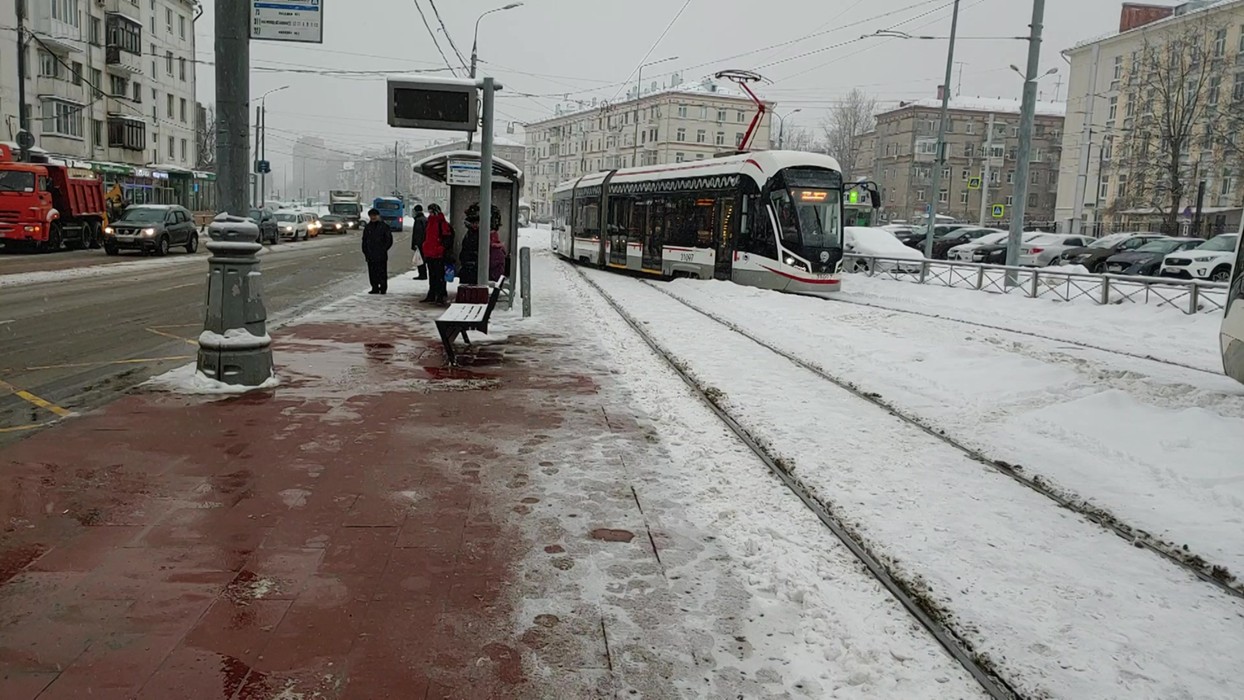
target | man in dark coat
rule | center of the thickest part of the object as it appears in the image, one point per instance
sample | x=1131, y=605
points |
x=420, y=229
x=377, y=240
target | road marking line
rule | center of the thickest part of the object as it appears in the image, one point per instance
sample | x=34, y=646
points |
x=5, y=323
x=31, y=398
x=181, y=286
x=180, y=325
x=136, y=361
x=25, y=428
x=174, y=337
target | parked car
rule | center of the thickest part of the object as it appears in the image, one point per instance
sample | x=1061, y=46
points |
x=1212, y=260
x=865, y=240
x=334, y=223
x=266, y=220
x=1147, y=259
x=294, y=225
x=920, y=235
x=943, y=242
x=313, y=225
x=153, y=229
x=1048, y=248
x=1094, y=255
x=963, y=252
x=995, y=254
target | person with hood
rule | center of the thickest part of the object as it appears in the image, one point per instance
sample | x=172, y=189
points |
x=437, y=242
x=377, y=240
x=468, y=256
x=496, y=257
x=419, y=233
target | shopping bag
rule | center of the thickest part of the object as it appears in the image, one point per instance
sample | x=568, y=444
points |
x=417, y=260
x=449, y=273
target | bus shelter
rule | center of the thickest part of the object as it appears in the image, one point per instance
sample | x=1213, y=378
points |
x=460, y=170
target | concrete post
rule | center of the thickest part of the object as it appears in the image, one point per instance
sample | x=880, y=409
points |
x=939, y=158
x=1027, y=120
x=485, y=181
x=233, y=86
x=234, y=347
x=524, y=271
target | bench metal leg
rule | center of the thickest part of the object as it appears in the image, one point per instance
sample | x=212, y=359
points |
x=447, y=340
x=465, y=339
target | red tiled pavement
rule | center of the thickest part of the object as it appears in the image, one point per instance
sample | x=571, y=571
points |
x=333, y=539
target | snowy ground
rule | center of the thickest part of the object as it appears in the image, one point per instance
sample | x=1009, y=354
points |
x=1063, y=608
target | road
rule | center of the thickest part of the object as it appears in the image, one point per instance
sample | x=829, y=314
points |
x=73, y=343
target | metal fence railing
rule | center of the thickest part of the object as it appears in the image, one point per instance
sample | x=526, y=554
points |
x=1189, y=296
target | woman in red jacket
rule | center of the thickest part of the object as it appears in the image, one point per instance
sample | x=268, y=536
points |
x=436, y=244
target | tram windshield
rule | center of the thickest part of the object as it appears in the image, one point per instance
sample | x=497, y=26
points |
x=810, y=217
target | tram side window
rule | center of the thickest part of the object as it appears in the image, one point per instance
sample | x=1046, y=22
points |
x=756, y=236
x=647, y=217
x=680, y=220
x=560, y=211
x=620, y=219
x=589, y=218
x=787, y=217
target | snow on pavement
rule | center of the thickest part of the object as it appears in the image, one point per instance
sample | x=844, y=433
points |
x=1157, y=446
x=1062, y=607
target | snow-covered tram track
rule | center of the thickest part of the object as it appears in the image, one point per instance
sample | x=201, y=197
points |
x=1208, y=571
x=912, y=598
x=1039, y=602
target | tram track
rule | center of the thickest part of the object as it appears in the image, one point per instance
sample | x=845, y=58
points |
x=1214, y=574
x=912, y=597
x=1029, y=334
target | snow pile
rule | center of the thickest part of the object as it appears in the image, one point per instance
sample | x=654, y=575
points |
x=187, y=379
x=234, y=339
x=1068, y=269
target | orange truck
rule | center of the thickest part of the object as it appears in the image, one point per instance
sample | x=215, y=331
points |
x=45, y=206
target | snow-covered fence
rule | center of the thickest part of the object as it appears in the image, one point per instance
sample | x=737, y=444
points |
x=1189, y=296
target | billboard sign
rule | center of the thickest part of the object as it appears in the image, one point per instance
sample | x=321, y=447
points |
x=288, y=20
x=463, y=173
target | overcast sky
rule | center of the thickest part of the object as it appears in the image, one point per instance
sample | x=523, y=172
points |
x=565, y=50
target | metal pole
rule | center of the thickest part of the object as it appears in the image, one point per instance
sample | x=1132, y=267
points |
x=485, y=183
x=986, y=174
x=524, y=271
x=23, y=118
x=1086, y=139
x=639, y=88
x=940, y=158
x=1026, y=119
x=255, y=185
x=233, y=84
x=781, y=132
x=395, y=189
x=1200, y=205
x=263, y=150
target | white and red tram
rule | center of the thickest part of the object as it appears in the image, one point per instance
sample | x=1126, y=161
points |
x=771, y=219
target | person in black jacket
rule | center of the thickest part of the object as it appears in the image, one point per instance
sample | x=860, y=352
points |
x=420, y=230
x=377, y=240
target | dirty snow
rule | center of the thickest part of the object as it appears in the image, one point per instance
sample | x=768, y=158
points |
x=1064, y=608
x=233, y=339
x=187, y=379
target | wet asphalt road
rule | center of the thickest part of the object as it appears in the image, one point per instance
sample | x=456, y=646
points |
x=76, y=342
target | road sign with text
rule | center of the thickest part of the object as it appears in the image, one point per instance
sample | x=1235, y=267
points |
x=288, y=20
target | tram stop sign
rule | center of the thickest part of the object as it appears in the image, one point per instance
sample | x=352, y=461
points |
x=999, y=211
x=974, y=183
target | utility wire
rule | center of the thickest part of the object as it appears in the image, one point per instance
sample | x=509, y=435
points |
x=448, y=36
x=432, y=34
x=652, y=48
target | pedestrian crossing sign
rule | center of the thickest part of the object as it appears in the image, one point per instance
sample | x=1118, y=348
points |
x=999, y=211
x=974, y=183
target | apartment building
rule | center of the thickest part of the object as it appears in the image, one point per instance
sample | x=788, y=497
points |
x=684, y=122
x=900, y=155
x=1167, y=87
x=111, y=84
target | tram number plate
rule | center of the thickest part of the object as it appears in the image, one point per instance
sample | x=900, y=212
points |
x=686, y=257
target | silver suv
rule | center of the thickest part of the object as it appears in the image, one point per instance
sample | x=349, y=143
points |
x=153, y=229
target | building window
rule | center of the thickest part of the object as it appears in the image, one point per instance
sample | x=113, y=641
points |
x=138, y=93
x=76, y=76
x=964, y=174
x=968, y=150
x=168, y=62
x=1220, y=43
x=1113, y=111
x=701, y=136
x=168, y=23
x=963, y=197
x=49, y=67
x=721, y=115
x=682, y=111
x=169, y=112
x=1228, y=182
x=926, y=147
x=945, y=173
x=181, y=67
x=172, y=147
x=120, y=86
x=1211, y=98
x=1034, y=199
x=1103, y=190
x=704, y=113
x=181, y=26
x=62, y=118
x=129, y=134
x=920, y=195
x=1118, y=72
x=1010, y=200
x=125, y=34
x=943, y=196
x=679, y=157
x=97, y=132
x=184, y=147
x=721, y=138
x=969, y=128
x=96, y=33
x=97, y=80
x=1237, y=90
x=1122, y=190
x=181, y=113
x=681, y=134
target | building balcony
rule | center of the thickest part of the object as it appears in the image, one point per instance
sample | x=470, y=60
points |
x=123, y=62
x=48, y=87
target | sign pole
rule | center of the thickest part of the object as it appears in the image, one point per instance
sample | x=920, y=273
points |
x=485, y=182
x=233, y=60
x=986, y=175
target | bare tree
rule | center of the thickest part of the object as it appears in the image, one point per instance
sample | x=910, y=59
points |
x=205, y=137
x=845, y=127
x=1169, y=90
x=798, y=138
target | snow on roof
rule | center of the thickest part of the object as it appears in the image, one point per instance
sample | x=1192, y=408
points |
x=1181, y=11
x=988, y=104
x=706, y=87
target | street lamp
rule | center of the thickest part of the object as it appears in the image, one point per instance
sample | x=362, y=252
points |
x=475, y=51
x=782, y=126
x=639, y=88
x=261, y=140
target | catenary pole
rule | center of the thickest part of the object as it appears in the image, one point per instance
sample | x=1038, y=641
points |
x=232, y=95
x=1027, y=117
x=23, y=114
x=939, y=159
x=987, y=172
x=485, y=182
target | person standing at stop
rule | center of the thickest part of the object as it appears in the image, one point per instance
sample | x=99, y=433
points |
x=377, y=240
x=437, y=243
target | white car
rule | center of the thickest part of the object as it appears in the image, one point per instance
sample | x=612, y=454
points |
x=879, y=243
x=963, y=252
x=1048, y=248
x=1212, y=260
x=295, y=225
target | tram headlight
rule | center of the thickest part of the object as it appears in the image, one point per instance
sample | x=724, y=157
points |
x=797, y=264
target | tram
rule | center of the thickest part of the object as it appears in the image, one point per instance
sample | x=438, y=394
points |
x=770, y=219
x=1232, y=332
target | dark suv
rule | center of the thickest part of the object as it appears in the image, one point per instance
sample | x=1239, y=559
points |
x=266, y=219
x=153, y=229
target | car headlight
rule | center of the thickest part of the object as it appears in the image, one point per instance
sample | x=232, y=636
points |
x=148, y=232
x=338, y=226
x=108, y=230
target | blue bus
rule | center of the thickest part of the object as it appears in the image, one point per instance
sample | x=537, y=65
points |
x=392, y=211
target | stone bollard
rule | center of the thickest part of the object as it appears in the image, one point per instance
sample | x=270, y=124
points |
x=234, y=347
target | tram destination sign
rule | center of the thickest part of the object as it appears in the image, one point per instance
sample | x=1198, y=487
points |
x=445, y=104
x=288, y=20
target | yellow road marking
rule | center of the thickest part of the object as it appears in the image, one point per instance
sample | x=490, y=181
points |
x=25, y=428
x=174, y=337
x=31, y=398
x=136, y=361
x=180, y=325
